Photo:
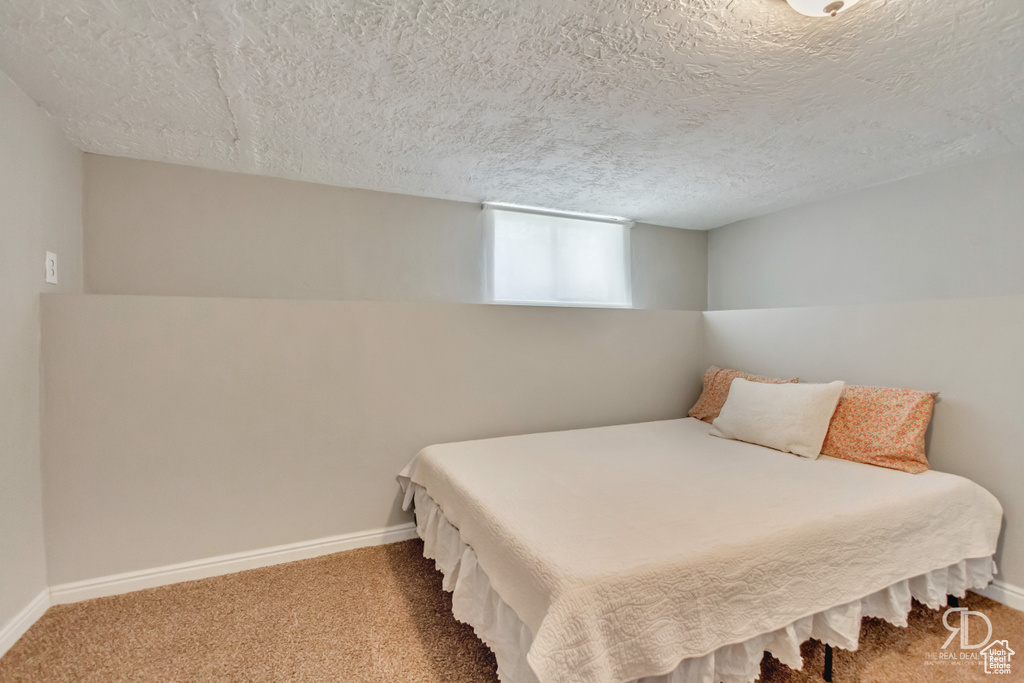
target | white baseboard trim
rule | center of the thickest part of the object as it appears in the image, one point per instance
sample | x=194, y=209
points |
x=1006, y=593
x=225, y=564
x=23, y=620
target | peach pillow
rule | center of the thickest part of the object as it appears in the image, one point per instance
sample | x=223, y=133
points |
x=716, y=390
x=880, y=426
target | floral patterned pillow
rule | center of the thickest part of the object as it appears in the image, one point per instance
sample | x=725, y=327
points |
x=716, y=390
x=880, y=426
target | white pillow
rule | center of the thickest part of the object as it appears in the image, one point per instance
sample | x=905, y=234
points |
x=787, y=417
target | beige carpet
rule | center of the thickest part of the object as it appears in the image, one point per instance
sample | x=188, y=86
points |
x=371, y=615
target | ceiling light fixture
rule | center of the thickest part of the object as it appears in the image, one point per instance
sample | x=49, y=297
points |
x=821, y=8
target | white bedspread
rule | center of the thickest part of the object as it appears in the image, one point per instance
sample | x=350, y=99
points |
x=627, y=549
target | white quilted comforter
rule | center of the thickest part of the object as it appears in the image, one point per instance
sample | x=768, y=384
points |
x=625, y=550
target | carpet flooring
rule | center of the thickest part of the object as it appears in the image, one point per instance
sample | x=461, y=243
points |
x=377, y=615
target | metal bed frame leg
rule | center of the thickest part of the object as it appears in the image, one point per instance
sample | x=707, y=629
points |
x=826, y=673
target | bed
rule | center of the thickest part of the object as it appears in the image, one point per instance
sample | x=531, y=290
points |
x=654, y=552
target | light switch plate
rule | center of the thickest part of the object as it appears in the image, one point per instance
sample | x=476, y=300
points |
x=51, y=268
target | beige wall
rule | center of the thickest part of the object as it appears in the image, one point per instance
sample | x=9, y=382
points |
x=183, y=428
x=40, y=210
x=967, y=349
x=953, y=233
x=163, y=229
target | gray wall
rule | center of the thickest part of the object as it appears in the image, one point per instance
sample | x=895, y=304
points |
x=669, y=267
x=40, y=210
x=879, y=273
x=183, y=428
x=163, y=229
x=967, y=349
x=954, y=233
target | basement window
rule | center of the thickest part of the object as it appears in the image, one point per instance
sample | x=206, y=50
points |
x=556, y=259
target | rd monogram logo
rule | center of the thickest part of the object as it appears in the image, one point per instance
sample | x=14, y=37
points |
x=964, y=628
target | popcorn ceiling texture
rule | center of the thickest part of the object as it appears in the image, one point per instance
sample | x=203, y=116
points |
x=688, y=113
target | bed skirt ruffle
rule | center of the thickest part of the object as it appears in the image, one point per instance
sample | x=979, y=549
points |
x=475, y=602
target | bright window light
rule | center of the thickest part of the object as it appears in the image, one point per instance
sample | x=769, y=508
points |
x=555, y=259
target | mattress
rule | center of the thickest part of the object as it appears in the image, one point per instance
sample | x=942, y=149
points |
x=627, y=550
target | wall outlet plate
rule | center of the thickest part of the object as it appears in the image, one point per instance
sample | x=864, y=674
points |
x=51, y=268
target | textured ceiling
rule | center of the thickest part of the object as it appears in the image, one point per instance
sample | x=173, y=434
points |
x=690, y=113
